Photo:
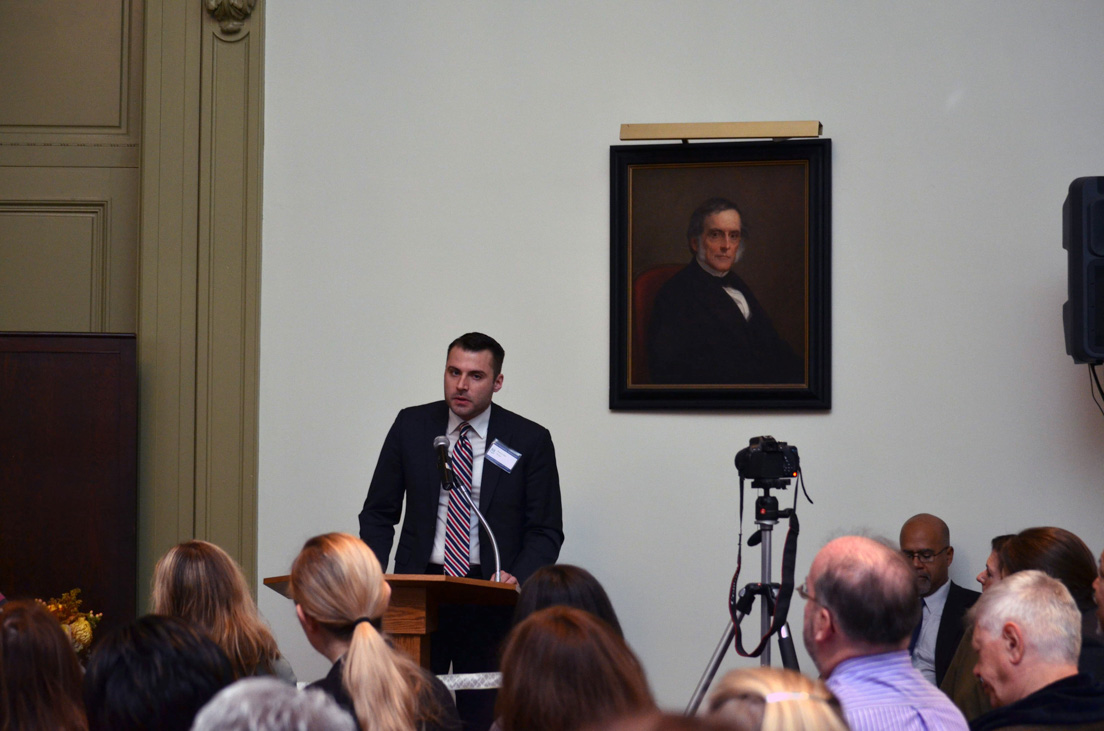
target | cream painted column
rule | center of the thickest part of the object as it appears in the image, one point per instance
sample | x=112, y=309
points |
x=199, y=277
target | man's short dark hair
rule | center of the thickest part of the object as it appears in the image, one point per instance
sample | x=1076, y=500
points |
x=875, y=602
x=156, y=672
x=477, y=343
x=707, y=209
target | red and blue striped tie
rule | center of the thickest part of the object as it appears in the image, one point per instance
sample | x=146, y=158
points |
x=458, y=529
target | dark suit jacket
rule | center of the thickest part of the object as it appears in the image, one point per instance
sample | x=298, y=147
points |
x=951, y=627
x=698, y=335
x=522, y=507
x=435, y=701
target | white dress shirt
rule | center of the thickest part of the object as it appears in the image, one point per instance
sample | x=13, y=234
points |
x=923, y=655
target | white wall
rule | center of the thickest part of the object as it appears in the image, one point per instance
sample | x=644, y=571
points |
x=438, y=167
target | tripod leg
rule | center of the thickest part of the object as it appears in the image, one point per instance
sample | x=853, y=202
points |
x=711, y=669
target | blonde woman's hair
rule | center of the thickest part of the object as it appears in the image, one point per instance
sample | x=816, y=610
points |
x=337, y=580
x=198, y=582
x=774, y=699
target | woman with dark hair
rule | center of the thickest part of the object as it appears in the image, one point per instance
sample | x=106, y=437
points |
x=564, y=669
x=565, y=585
x=1061, y=554
x=199, y=582
x=340, y=596
x=40, y=678
x=153, y=674
x=1058, y=553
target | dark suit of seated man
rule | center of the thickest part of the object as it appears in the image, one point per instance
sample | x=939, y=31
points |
x=514, y=482
x=926, y=543
x=706, y=325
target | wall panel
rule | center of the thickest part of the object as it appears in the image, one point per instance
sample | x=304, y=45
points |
x=70, y=105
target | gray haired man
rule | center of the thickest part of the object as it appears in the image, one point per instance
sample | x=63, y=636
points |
x=1027, y=632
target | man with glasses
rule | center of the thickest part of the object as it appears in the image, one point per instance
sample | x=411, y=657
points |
x=926, y=544
x=861, y=604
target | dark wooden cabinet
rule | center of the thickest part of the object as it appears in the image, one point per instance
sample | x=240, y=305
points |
x=69, y=469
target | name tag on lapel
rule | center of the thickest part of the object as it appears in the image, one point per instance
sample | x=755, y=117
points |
x=502, y=456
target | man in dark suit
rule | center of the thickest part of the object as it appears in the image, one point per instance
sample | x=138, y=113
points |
x=706, y=325
x=514, y=481
x=926, y=542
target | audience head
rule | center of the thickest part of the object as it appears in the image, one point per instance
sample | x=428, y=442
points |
x=563, y=668
x=774, y=699
x=1027, y=633
x=926, y=544
x=860, y=599
x=40, y=678
x=199, y=582
x=338, y=588
x=991, y=574
x=154, y=673
x=656, y=721
x=565, y=585
x=267, y=704
x=1057, y=552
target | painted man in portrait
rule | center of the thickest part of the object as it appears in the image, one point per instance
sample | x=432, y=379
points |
x=706, y=325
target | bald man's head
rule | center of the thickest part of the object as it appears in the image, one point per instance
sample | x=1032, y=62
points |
x=926, y=541
x=870, y=590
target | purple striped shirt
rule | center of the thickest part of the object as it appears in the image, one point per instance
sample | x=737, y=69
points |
x=885, y=691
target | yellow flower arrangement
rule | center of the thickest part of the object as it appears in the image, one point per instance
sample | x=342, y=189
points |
x=77, y=625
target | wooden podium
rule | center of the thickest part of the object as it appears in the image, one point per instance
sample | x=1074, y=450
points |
x=415, y=598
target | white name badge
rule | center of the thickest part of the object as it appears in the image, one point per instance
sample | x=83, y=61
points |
x=502, y=456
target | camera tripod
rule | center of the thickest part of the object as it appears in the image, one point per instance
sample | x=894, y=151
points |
x=766, y=517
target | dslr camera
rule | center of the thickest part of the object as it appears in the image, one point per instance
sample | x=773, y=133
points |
x=766, y=458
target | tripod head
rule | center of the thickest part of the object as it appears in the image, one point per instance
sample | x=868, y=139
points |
x=766, y=517
x=766, y=509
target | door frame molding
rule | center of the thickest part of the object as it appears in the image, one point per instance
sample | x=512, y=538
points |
x=199, y=278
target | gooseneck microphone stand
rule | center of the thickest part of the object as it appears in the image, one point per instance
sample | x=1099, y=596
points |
x=766, y=517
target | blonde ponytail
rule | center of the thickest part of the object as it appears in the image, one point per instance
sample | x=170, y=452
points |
x=337, y=580
x=382, y=696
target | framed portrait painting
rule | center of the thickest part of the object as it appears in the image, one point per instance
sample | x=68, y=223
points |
x=720, y=275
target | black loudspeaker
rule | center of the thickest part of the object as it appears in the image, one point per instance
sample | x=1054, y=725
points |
x=1083, y=240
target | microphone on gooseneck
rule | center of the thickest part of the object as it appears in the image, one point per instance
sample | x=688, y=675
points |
x=441, y=444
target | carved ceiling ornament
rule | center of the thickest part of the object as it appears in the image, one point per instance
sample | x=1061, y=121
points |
x=230, y=14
